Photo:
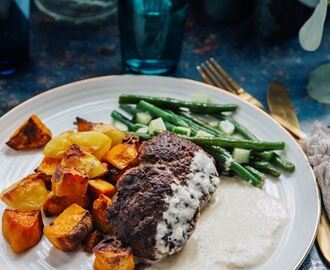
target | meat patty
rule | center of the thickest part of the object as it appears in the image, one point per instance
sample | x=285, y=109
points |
x=157, y=204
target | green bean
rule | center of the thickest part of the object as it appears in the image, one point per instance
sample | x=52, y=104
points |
x=158, y=112
x=121, y=118
x=143, y=136
x=206, y=127
x=128, y=109
x=169, y=126
x=264, y=156
x=283, y=163
x=223, y=156
x=240, y=129
x=261, y=177
x=267, y=168
x=276, y=159
x=236, y=143
x=176, y=104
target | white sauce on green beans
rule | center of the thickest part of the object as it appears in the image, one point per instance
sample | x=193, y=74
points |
x=238, y=230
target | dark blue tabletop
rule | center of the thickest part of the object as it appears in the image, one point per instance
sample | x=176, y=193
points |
x=62, y=53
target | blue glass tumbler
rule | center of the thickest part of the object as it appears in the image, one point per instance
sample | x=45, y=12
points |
x=14, y=35
x=151, y=34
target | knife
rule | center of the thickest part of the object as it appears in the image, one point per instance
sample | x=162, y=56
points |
x=280, y=105
x=282, y=109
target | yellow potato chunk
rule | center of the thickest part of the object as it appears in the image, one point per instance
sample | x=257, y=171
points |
x=110, y=255
x=79, y=159
x=69, y=182
x=111, y=131
x=99, y=214
x=28, y=194
x=98, y=186
x=57, y=146
x=93, y=142
x=70, y=228
x=55, y=205
x=33, y=133
x=22, y=229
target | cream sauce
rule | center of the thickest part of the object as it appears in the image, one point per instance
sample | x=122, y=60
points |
x=184, y=203
x=238, y=230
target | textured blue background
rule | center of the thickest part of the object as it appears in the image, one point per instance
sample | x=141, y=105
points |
x=63, y=53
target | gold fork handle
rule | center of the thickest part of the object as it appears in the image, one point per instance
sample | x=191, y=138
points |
x=249, y=98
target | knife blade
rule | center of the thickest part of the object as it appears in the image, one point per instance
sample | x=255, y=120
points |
x=279, y=103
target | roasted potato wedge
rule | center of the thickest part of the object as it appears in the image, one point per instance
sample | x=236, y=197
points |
x=55, y=205
x=111, y=131
x=57, y=146
x=92, y=240
x=70, y=228
x=84, y=125
x=48, y=165
x=111, y=255
x=79, y=159
x=122, y=155
x=97, y=187
x=93, y=142
x=28, y=194
x=22, y=229
x=32, y=134
x=99, y=214
x=69, y=182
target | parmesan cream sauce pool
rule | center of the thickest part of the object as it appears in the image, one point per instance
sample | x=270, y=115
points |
x=239, y=229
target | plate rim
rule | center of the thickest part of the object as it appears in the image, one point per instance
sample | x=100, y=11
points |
x=211, y=87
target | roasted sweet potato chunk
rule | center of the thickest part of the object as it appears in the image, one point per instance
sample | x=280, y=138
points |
x=111, y=255
x=99, y=214
x=111, y=131
x=81, y=160
x=22, y=229
x=92, y=240
x=69, y=182
x=97, y=187
x=28, y=194
x=48, y=165
x=55, y=205
x=122, y=155
x=32, y=134
x=84, y=125
x=70, y=228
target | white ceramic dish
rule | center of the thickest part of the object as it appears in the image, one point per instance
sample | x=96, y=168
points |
x=94, y=99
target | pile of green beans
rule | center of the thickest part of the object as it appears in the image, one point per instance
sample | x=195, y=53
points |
x=264, y=159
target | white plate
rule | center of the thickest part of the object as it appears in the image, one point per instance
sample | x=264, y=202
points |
x=94, y=99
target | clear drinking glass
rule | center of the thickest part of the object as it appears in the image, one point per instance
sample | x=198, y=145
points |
x=151, y=34
x=77, y=11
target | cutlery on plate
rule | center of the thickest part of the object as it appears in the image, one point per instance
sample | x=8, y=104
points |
x=212, y=73
x=279, y=103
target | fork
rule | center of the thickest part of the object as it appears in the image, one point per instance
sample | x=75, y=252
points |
x=212, y=73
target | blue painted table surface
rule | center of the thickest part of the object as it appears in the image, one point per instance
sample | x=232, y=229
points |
x=62, y=53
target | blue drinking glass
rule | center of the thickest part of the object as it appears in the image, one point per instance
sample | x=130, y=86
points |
x=14, y=34
x=151, y=34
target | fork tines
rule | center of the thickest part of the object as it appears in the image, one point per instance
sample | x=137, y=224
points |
x=212, y=73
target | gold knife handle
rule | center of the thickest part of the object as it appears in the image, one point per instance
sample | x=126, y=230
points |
x=322, y=237
x=297, y=133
